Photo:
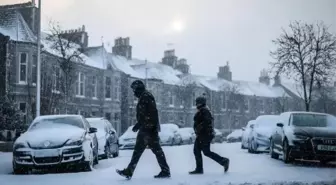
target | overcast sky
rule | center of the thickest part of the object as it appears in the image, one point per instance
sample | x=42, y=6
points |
x=205, y=32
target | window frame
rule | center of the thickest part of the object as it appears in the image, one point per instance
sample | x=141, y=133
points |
x=34, y=68
x=94, y=90
x=26, y=68
x=107, y=87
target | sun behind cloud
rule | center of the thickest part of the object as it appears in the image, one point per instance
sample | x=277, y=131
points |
x=177, y=25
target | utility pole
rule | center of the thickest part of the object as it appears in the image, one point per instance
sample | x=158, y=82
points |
x=38, y=83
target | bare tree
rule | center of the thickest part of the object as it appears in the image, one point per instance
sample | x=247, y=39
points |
x=69, y=56
x=306, y=53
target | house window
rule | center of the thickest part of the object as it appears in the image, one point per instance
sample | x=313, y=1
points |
x=23, y=67
x=94, y=87
x=116, y=89
x=107, y=87
x=261, y=105
x=34, y=69
x=23, y=109
x=223, y=101
x=57, y=80
x=108, y=116
x=171, y=99
x=116, y=116
x=246, y=104
x=80, y=86
x=193, y=99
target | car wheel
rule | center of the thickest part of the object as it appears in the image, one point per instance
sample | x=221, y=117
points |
x=286, y=152
x=116, y=154
x=251, y=146
x=96, y=159
x=88, y=165
x=272, y=153
x=19, y=170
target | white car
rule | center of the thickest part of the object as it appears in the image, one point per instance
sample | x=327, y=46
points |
x=259, y=138
x=107, y=137
x=127, y=140
x=188, y=135
x=235, y=136
x=246, y=133
x=59, y=141
x=169, y=134
x=218, y=136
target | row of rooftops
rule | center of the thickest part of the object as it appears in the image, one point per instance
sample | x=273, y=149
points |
x=12, y=24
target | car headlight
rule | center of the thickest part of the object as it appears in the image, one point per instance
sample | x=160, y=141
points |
x=301, y=137
x=72, y=142
x=20, y=145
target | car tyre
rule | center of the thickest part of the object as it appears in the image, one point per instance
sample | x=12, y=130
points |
x=116, y=154
x=251, y=147
x=173, y=142
x=272, y=153
x=286, y=152
x=19, y=170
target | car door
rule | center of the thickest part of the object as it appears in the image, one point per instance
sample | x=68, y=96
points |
x=92, y=137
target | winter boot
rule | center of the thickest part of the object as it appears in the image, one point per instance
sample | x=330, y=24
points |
x=226, y=165
x=125, y=173
x=196, y=172
x=162, y=174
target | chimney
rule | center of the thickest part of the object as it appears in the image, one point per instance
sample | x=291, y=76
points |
x=122, y=47
x=224, y=72
x=264, y=77
x=78, y=36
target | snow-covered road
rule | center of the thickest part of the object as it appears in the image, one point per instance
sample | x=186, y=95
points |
x=245, y=167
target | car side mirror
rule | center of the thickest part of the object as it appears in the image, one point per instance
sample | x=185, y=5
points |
x=112, y=132
x=280, y=124
x=92, y=130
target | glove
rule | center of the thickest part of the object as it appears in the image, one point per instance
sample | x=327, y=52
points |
x=135, y=128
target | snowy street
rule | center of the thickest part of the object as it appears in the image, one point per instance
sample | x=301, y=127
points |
x=245, y=167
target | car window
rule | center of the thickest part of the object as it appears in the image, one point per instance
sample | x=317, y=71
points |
x=309, y=120
x=57, y=122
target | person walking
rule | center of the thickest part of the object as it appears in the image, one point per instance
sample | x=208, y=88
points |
x=148, y=126
x=203, y=126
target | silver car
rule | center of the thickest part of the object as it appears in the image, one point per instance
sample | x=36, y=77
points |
x=107, y=137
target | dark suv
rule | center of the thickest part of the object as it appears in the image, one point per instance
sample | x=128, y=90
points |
x=304, y=135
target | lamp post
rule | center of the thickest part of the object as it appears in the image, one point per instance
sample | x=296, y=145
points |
x=38, y=83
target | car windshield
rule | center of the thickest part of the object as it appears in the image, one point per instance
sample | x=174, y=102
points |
x=312, y=120
x=57, y=122
x=267, y=122
x=99, y=124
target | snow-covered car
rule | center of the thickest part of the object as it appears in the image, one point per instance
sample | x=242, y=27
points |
x=127, y=140
x=219, y=138
x=235, y=136
x=246, y=133
x=62, y=140
x=169, y=134
x=188, y=135
x=304, y=135
x=259, y=138
x=107, y=137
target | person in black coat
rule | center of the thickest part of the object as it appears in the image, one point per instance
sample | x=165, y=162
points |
x=149, y=127
x=204, y=130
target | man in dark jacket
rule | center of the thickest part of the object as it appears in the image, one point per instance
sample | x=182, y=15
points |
x=148, y=126
x=203, y=126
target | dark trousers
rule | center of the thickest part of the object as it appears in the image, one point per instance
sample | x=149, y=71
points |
x=203, y=144
x=153, y=142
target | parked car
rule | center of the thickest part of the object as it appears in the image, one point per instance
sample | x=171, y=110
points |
x=219, y=138
x=169, y=134
x=107, y=137
x=188, y=135
x=127, y=140
x=246, y=133
x=62, y=140
x=235, y=136
x=304, y=135
x=259, y=138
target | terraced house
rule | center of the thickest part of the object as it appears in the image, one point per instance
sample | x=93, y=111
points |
x=98, y=83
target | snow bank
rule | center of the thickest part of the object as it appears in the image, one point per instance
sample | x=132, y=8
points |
x=235, y=134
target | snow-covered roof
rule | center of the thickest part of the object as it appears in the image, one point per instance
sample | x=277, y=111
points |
x=260, y=89
x=122, y=64
x=158, y=71
x=13, y=25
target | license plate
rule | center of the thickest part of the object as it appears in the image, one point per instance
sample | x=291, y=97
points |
x=47, y=153
x=326, y=147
